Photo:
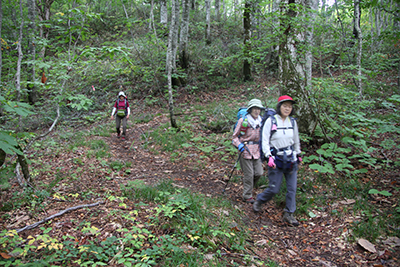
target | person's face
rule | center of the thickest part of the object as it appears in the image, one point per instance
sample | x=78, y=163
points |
x=121, y=97
x=286, y=108
x=255, y=112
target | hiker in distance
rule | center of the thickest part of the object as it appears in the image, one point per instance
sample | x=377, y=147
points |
x=245, y=138
x=281, y=147
x=121, y=110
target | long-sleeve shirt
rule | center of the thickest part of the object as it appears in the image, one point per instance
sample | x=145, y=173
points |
x=282, y=137
x=252, y=136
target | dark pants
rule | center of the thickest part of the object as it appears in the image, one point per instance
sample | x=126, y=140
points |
x=275, y=177
x=118, y=120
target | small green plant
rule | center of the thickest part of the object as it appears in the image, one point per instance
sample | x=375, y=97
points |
x=117, y=165
x=383, y=192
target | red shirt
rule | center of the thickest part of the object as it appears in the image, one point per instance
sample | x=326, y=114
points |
x=121, y=104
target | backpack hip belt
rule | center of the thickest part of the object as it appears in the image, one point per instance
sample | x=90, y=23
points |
x=252, y=142
x=280, y=151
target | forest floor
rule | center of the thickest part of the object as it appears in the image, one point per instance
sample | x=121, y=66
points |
x=318, y=241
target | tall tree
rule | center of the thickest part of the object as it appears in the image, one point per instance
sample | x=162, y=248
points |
x=21, y=157
x=217, y=10
x=183, y=53
x=208, y=21
x=20, y=54
x=172, y=37
x=247, y=40
x=312, y=6
x=163, y=12
x=236, y=9
x=358, y=36
x=32, y=94
x=43, y=8
x=152, y=25
x=291, y=70
x=224, y=9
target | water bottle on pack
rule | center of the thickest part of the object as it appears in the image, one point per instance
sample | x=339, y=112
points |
x=243, y=127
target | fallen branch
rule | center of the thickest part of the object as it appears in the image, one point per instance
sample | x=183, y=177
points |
x=28, y=227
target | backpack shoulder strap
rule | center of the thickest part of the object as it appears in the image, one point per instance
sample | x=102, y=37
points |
x=292, y=120
x=273, y=121
x=118, y=103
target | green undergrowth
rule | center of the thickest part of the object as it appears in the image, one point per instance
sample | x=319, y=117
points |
x=156, y=225
x=371, y=212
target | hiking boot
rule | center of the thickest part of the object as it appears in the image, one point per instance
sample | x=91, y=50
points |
x=118, y=135
x=249, y=200
x=123, y=138
x=256, y=206
x=288, y=217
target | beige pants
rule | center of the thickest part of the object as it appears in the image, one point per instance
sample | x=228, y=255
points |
x=252, y=171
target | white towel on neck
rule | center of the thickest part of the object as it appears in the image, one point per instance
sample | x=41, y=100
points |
x=254, y=122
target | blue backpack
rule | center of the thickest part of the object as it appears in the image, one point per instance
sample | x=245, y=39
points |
x=242, y=112
x=269, y=112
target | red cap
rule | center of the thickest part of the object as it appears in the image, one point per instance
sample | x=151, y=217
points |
x=286, y=98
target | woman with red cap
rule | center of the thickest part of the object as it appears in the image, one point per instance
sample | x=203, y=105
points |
x=281, y=146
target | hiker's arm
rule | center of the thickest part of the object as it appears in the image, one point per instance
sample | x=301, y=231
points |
x=129, y=112
x=296, y=139
x=235, y=136
x=266, y=136
x=113, y=111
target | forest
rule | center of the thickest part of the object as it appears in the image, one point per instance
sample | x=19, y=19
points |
x=72, y=193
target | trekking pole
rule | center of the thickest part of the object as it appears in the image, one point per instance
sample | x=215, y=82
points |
x=230, y=176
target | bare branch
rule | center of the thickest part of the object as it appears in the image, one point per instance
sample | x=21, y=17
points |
x=28, y=227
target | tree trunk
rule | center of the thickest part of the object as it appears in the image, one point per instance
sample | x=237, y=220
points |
x=176, y=12
x=24, y=166
x=32, y=94
x=183, y=55
x=163, y=13
x=20, y=55
x=170, y=65
x=235, y=8
x=371, y=22
x=291, y=72
x=358, y=35
x=2, y=155
x=224, y=9
x=151, y=23
x=43, y=8
x=247, y=41
x=313, y=6
x=217, y=9
x=208, y=22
